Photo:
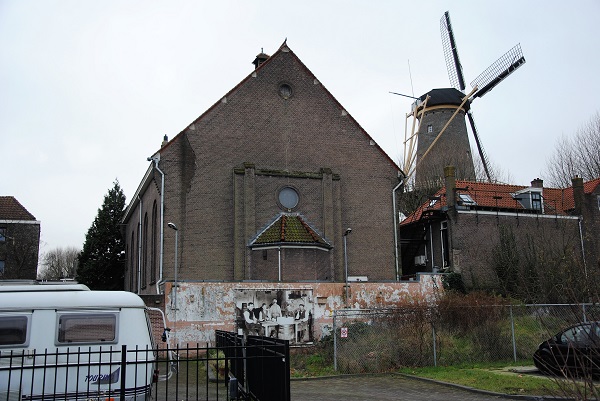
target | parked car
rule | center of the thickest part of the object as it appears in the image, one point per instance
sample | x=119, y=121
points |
x=573, y=351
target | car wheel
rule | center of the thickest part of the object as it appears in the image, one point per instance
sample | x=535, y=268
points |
x=546, y=364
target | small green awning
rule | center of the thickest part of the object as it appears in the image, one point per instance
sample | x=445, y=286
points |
x=289, y=230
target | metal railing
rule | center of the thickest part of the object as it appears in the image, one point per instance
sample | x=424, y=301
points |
x=237, y=368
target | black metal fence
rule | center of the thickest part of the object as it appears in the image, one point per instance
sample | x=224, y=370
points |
x=259, y=365
x=237, y=368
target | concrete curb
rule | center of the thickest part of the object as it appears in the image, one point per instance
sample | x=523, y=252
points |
x=490, y=393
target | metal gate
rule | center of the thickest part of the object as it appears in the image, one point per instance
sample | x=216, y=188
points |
x=237, y=368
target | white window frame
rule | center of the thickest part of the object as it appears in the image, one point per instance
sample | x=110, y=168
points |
x=83, y=315
x=27, y=316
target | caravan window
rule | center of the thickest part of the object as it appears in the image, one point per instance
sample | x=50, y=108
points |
x=87, y=328
x=13, y=330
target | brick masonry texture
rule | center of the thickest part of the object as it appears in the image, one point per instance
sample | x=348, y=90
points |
x=219, y=196
x=474, y=238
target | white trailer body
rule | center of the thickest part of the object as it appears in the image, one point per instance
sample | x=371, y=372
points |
x=66, y=342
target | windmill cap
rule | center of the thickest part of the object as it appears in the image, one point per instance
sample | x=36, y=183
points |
x=445, y=96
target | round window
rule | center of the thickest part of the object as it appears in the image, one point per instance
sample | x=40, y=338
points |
x=285, y=91
x=288, y=198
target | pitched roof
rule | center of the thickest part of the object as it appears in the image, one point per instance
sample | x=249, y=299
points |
x=284, y=48
x=588, y=188
x=500, y=197
x=11, y=209
x=289, y=230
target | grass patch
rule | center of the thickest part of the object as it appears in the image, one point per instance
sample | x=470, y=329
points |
x=493, y=378
x=310, y=365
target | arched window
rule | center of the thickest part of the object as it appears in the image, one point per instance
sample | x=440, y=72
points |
x=132, y=263
x=144, y=251
x=153, y=242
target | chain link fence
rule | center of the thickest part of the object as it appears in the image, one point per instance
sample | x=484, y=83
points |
x=379, y=340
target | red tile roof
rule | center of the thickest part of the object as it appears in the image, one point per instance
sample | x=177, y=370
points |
x=289, y=229
x=490, y=196
x=11, y=209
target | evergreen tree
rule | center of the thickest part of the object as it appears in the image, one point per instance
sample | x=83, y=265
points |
x=101, y=262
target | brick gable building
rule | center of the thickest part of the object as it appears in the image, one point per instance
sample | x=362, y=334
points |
x=463, y=226
x=19, y=240
x=260, y=189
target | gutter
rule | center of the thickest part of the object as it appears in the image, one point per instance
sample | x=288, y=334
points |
x=396, y=229
x=160, y=281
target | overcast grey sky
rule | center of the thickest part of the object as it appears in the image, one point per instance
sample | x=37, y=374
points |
x=89, y=88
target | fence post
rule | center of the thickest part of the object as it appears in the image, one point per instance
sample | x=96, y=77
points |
x=123, y=372
x=434, y=346
x=334, y=342
x=512, y=327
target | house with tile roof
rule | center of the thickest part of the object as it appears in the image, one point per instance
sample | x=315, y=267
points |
x=257, y=193
x=19, y=241
x=460, y=228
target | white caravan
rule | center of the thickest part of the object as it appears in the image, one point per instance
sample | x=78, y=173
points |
x=63, y=341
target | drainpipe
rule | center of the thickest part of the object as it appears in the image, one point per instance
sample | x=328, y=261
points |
x=279, y=263
x=396, y=229
x=582, y=248
x=139, y=285
x=162, y=228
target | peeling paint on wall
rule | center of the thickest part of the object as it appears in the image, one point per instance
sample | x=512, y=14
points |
x=205, y=307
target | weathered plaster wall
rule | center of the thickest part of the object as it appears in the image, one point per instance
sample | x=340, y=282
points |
x=205, y=307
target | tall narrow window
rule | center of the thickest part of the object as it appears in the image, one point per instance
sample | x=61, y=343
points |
x=153, y=241
x=133, y=263
x=536, y=201
x=144, y=251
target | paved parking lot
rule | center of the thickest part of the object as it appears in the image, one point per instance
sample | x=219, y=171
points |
x=383, y=388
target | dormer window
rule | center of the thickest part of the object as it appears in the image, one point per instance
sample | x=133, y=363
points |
x=536, y=201
x=530, y=198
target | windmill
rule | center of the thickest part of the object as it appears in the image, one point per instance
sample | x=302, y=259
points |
x=442, y=137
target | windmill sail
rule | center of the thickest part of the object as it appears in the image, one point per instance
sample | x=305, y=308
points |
x=455, y=72
x=499, y=70
x=482, y=155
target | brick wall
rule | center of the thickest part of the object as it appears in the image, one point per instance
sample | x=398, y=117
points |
x=19, y=250
x=474, y=237
x=219, y=199
x=451, y=149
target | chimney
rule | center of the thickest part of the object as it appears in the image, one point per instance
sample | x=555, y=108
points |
x=578, y=194
x=449, y=174
x=165, y=141
x=260, y=58
x=537, y=183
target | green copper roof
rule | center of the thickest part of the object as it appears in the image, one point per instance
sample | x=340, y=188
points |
x=289, y=230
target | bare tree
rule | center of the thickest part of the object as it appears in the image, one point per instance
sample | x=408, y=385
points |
x=576, y=155
x=497, y=174
x=59, y=263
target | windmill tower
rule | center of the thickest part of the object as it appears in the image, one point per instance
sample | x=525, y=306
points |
x=441, y=137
